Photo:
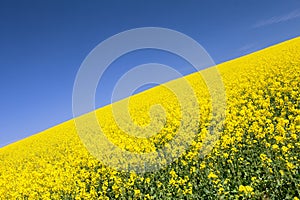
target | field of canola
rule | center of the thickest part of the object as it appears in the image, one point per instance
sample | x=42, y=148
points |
x=256, y=156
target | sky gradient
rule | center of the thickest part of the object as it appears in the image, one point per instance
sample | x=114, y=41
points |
x=43, y=43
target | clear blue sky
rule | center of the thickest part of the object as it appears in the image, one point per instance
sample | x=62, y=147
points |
x=43, y=43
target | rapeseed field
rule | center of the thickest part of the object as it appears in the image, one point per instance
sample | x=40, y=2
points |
x=254, y=153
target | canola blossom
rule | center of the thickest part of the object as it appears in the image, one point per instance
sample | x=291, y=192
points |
x=255, y=154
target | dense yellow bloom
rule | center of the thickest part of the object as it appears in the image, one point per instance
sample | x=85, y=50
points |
x=258, y=145
x=246, y=189
x=212, y=175
x=137, y=192
x=275, y=146
x=290, y=166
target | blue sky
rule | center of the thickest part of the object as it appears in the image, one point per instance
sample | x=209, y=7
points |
x=43, y=43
